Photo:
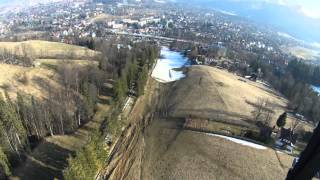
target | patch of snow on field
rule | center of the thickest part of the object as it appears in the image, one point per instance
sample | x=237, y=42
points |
x=280, y=152
x=163, y=71
x=239, y=141
x=315, y=89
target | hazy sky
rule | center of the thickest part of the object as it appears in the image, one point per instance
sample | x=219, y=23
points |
x=310, y=8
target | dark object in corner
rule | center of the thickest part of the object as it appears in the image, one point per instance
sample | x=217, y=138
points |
x=309, y=161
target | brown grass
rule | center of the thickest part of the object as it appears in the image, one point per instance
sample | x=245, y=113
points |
x=213, y=93
x=164, y=150
x=14, y=78
x=10, y=75
x=105, y=18
x=302, y=52
x=193, y=155
x=46, y=49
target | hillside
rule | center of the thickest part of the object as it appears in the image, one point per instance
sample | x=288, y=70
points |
x=35, y=81
x=45, y=49
x=159, y=145
x=172, y=153
x=47, y=57
x=56, y=80
x=303, y=53
x=217, y=94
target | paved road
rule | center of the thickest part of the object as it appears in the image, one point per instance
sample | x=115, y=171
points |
x=157, y=37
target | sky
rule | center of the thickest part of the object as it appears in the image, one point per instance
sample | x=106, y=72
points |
x=309, y=8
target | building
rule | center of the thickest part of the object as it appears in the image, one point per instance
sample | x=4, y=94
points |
x=286, y=140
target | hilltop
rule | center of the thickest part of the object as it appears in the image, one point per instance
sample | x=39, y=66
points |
x=47, y=57
x=165, y=145
x=38, y=49
x=14, y=78
x=214, y=93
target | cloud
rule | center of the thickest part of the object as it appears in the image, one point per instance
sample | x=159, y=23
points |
x=307, y=8
x=283, y=2
x=309, y=12
x=279, y=2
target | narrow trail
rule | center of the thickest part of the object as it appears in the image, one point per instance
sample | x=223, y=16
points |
x=124, y=154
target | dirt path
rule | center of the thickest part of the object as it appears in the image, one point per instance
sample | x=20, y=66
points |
x=126, y=155
x=49, y=158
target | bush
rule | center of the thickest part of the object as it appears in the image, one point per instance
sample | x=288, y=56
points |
x=4, y=165
x=23, y=79
x=88, y=161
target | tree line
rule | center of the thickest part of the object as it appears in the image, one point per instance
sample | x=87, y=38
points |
x=25, y=119
x=289, y=76
x=129, y=66
x=293, y=81
x=292, y=78
x=25, y=59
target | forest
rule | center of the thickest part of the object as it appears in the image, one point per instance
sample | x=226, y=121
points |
x=26, y=120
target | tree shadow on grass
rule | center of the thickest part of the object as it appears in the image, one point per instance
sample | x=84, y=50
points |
x=47, y=161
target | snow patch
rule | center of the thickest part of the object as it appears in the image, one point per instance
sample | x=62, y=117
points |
x=279, y=152
x=315, y=89
x=239, y=141
x=163, y=71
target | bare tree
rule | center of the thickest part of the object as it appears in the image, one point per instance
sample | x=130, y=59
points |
x=263, y=111
x=295, y=123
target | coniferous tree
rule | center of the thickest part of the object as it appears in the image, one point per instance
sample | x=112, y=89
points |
x=4, y=165
x=281, y=122
x=12, y=127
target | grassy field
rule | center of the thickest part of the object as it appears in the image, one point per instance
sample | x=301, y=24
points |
x=105, y=18
x=192, y=155
x=216, y=94
x=68, y=61
x=14, y=78
x=46, y=49
x=303, y=53
x=166, y=150
x=172, y=152
x=48, y=55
